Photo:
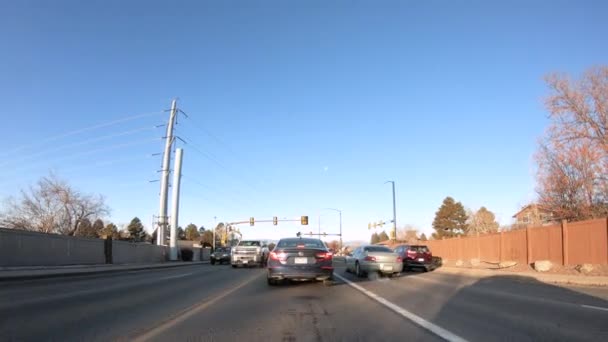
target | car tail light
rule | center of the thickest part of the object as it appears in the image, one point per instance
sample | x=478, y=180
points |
x=278, y=256
x=370, y=258
x=399, y=259
x=324, y=255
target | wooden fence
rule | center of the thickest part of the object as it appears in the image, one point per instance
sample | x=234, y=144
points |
x=568, y=243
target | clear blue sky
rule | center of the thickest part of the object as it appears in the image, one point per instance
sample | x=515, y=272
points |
x=304, y=105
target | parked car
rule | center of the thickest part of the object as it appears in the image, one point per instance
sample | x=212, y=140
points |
x=249, y=252
x=300, y=259
x=220, y=255
x=415, y=256
x=371, y=258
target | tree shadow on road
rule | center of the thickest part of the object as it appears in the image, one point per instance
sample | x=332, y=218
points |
x=517, y=308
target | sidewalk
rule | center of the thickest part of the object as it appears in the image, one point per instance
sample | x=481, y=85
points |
x=37, y=272
x=545, y=278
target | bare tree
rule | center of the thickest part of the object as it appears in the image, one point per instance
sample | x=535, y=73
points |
x=408, y=233
x=482, y=221
x=52, y=206
x=573, y=156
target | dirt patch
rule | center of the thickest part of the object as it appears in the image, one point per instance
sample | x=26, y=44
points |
x=598, y=270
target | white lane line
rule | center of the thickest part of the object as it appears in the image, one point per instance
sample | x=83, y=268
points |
x=594, y=307
x=176, y=276
x=435, y=329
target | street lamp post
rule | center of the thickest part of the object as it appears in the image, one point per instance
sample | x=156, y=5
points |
x=394, y=234
x=340, y=212
x=214, y=228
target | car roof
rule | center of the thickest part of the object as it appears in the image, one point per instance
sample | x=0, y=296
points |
x=304, y=240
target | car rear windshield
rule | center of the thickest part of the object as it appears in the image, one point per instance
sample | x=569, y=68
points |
x=419, y=249
x=249, y=244
x=307, y=243
x=377, y=249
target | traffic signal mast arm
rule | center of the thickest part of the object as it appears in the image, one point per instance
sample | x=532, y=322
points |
x=262, y=221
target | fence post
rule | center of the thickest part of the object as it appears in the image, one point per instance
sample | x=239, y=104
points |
x=528, y=246
x=565, y=257
x=502, y=233
x=478, y=247
x=107, y=249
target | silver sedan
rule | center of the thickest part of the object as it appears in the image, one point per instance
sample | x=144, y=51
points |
x=371, y=258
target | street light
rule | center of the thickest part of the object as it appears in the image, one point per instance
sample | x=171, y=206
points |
x=214, y=228
x=394, y=234
x=340, y=212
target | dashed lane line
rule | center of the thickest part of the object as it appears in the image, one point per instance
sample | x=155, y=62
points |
x=435, y=329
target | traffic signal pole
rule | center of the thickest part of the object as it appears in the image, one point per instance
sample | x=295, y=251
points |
x=394, y=232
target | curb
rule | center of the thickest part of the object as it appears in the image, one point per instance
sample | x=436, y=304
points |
x=545, y=278
x=93, y=271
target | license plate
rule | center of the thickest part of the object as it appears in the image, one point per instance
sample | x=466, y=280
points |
x=245, y=261
x=300, y=260
x=388, y=268
x=421, y=259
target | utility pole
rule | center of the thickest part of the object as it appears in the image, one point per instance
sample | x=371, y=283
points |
x=394, y=232
x=340, y=231
x=214, y=228
x=164, y=179
x=319, y=226
x=177, y=176
x=340, y=212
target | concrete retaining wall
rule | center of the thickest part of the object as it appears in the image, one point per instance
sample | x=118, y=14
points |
x=23, y=248
x=124, y=252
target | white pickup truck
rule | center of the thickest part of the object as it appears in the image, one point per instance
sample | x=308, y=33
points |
x=249, y=253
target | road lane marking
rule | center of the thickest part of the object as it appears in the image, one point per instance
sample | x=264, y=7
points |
x=62, y=296
x=594, y=307
x=176, y=276
x=435, y=329
x=189, y=312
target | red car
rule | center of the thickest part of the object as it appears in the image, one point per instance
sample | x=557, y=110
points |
x=415, y=256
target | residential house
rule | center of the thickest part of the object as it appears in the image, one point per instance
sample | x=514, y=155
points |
x=534, y=215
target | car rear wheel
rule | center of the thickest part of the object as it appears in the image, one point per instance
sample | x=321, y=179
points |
x=212, y=261
x=358, y=271
x=271, y=281
x=233, y=266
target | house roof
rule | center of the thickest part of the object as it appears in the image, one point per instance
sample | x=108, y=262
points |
x=538, y=206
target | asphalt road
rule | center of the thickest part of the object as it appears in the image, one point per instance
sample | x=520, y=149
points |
x=218, y=303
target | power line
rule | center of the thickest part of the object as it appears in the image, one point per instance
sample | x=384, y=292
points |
x=99, y=164
x=78, y=131
x=209, y=156
x=82, y=143
x=90, y=152
x=235, y=199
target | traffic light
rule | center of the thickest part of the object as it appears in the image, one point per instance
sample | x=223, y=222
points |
x=251, y=221
x=369, y=225
x=325, y=234
x=275, y=220
x=304, y=220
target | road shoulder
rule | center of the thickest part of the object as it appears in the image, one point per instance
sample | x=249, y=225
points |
x=545, y=278
x=28, y=273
